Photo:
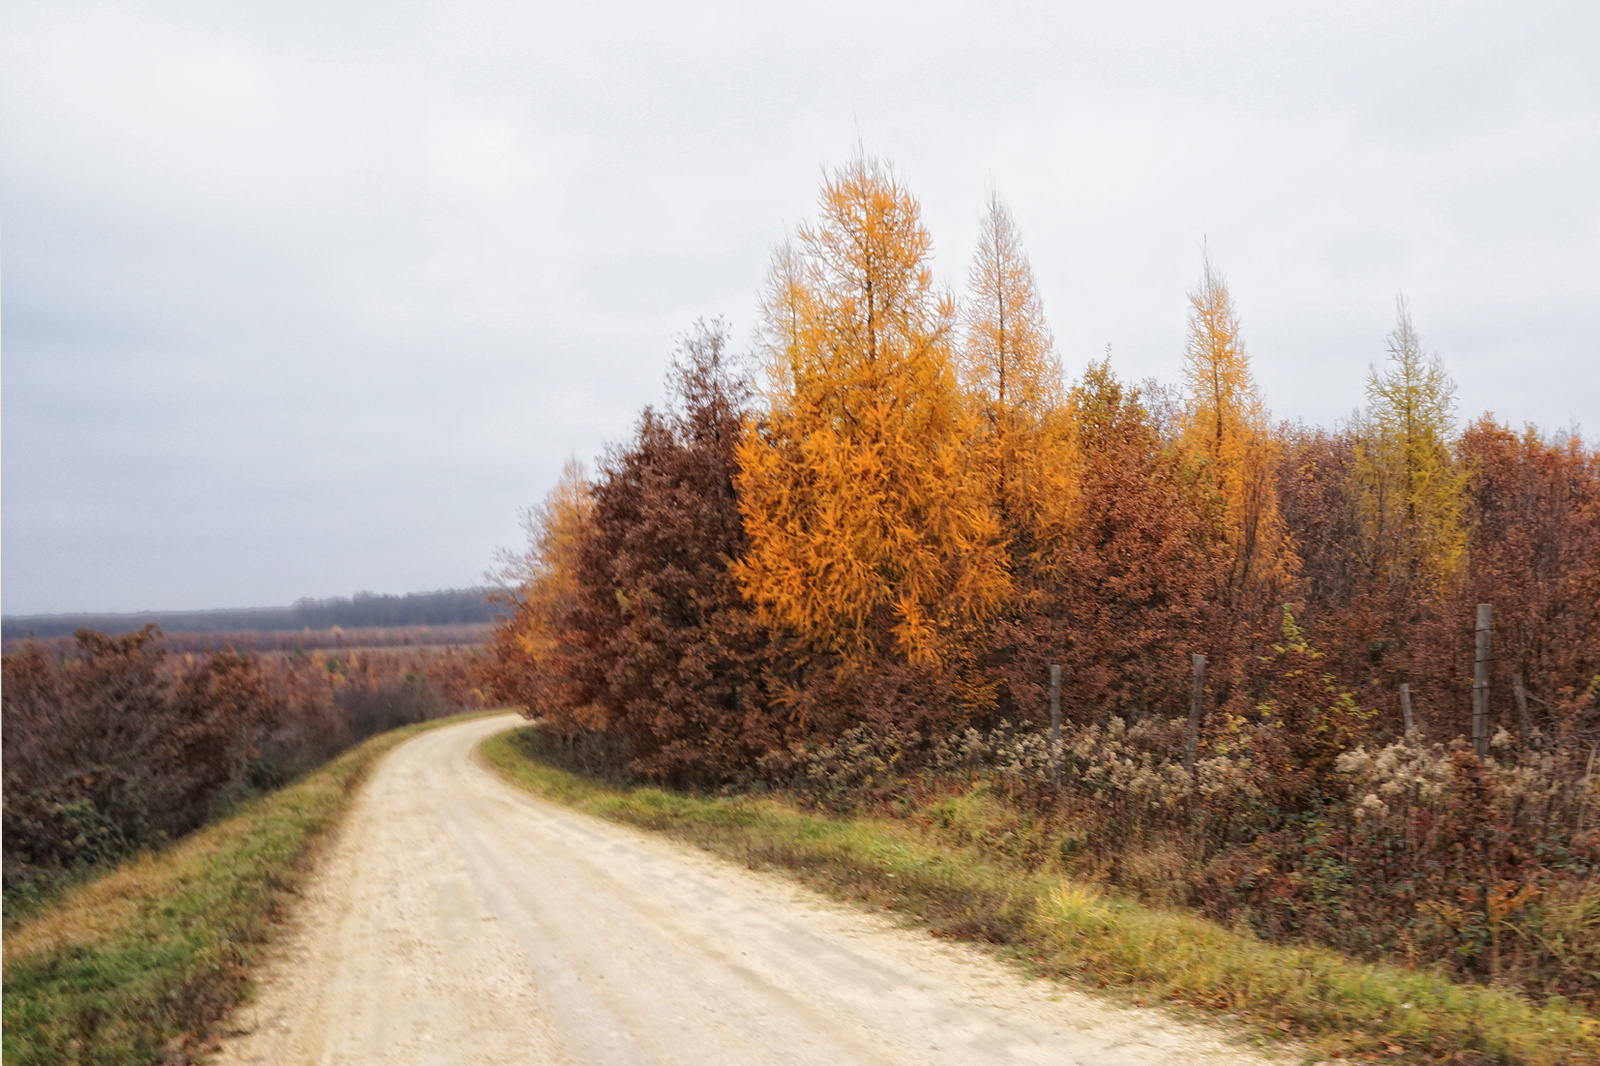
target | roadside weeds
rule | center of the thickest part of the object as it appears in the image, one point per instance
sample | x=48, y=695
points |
x=1330, y=1005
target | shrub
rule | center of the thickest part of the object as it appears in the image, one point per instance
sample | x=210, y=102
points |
x=116, y=744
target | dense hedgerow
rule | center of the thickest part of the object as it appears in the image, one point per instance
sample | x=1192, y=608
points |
x=115, y=744
x=851, y=582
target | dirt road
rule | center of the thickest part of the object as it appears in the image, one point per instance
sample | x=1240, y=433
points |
x=457, y=920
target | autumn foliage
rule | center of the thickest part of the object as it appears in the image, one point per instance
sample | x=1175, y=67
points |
x=119, y=743
x=870, y=526
x=668, y=651
x=1130, y=586
x=1226, y=438
x=850, y=575
x=1024, y=449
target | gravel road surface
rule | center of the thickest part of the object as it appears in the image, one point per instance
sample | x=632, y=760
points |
x=455, y=919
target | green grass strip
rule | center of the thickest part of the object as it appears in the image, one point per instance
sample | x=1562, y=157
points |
x=159, y=949
x=1333, y=1006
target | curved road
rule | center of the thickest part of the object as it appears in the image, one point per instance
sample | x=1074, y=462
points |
x=457, y=920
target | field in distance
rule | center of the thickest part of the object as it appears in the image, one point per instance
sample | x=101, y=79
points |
x=307, y=640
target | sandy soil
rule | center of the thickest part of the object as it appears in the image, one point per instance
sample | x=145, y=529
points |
x=457, y=920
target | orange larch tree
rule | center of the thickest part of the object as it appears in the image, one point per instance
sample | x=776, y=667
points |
x=1226, y=435
x=531, y=647
x=870, y=530
x=1014, y=379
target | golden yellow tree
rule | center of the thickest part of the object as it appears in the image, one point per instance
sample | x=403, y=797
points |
x=528, y=647
x=870, y=530
x=1011, y=372
x=1410, y=491
x=1226, y=434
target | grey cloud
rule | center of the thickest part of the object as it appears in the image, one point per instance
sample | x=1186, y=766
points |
x=304, y=298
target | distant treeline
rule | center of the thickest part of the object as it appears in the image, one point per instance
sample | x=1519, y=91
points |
x=451, y=607
x=294, y=641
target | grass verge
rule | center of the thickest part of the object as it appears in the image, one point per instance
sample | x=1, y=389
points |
x=138, y=965
x=1330, y=1005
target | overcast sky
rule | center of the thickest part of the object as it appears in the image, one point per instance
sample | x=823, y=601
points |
x=301, y=298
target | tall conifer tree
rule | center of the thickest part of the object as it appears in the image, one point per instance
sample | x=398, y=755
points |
x=869, y=528
x=1226, y=434
x=532, y=649
x=1010, y=368
x=1411, y=494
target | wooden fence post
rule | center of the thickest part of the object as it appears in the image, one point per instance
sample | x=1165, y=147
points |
x=1480, y=684
x=1520, y=690
x=1055, y=726
x=1193, y=743
x=1405, y=707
